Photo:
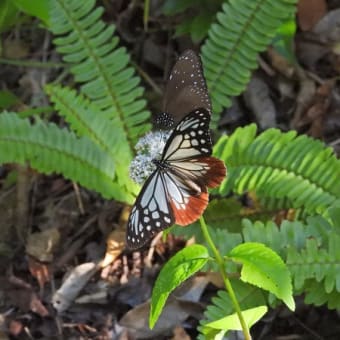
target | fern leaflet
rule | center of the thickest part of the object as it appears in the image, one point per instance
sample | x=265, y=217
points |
x=281, y=165
x=50, y=149
x=230, y=53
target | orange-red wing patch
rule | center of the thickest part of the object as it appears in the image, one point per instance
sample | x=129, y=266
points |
x=192, y=210
x=216, y=171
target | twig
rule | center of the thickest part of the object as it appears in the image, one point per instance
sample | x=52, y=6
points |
x=146, y=77
x=78, y=197
x=149, y=257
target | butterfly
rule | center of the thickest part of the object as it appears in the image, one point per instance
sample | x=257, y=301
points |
x=186, y=91
x=176, y=192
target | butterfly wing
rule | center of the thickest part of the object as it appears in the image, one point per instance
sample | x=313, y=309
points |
x=186, y=90
x=191, y=168
x=151, y=213
x=177, y=192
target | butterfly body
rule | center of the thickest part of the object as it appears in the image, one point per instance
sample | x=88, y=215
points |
x=177, y=191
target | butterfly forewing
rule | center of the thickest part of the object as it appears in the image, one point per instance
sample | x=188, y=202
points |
x=186, y=90
x=190, y=138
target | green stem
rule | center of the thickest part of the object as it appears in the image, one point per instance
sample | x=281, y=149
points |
x=28, y=63
x=146, y=14
x=227, y=283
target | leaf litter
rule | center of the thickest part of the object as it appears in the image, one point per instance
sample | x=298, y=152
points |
x=63, y=246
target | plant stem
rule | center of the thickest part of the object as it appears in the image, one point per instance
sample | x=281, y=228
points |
x=28, y=63
x=146, y=14
x=227, y=283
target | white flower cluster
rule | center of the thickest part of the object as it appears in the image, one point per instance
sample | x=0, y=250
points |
x=148, y=148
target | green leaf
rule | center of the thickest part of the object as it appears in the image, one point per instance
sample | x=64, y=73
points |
x=179, y=268
x=8, y=15
x=7, y=99
x=248, y=297
x=232, y=322
x=284, y=40
x=200, y=26
x=264, y=268
x=37, y=8
x=172, y=7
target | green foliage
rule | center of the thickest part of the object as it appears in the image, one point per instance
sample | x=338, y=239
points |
x=281, y=165
x=7, y=99
x=262, y=267
x=8, y=15
x=108, y=112
x=314, y=262
x=10, y=10
x=284, y=40
x=230, y=53
x=179, y=268
x=80, y=113
x=198, y=16
x=50, y=149
x=310, y=251
x=37, y=8
x=232, y=322
x=281, y=170
x=91, y=48
x=109, y=109
x=221, y=305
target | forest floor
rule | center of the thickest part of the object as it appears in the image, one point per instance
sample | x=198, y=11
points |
x=52, y=229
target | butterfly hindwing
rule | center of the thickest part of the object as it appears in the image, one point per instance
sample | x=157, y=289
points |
x=151, y=212
x=187, y=153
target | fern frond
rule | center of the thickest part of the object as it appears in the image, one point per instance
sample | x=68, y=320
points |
x=247, y=295
x=281, y=165
x=229, y=213
x=310, y=251
x=315, y=263
x=221, y=214
x=48, y=149
x=88, y=44
x=230, y=53
x=82, y=116
x=315, y=294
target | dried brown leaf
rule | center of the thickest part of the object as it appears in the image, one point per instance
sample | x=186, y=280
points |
x=115, y=244
x=310, y=12
x=71, y=287
x=174, y=313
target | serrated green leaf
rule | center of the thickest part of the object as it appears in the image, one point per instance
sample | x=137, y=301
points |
x=179, y=268
x=232, y=322
x=264, y=268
